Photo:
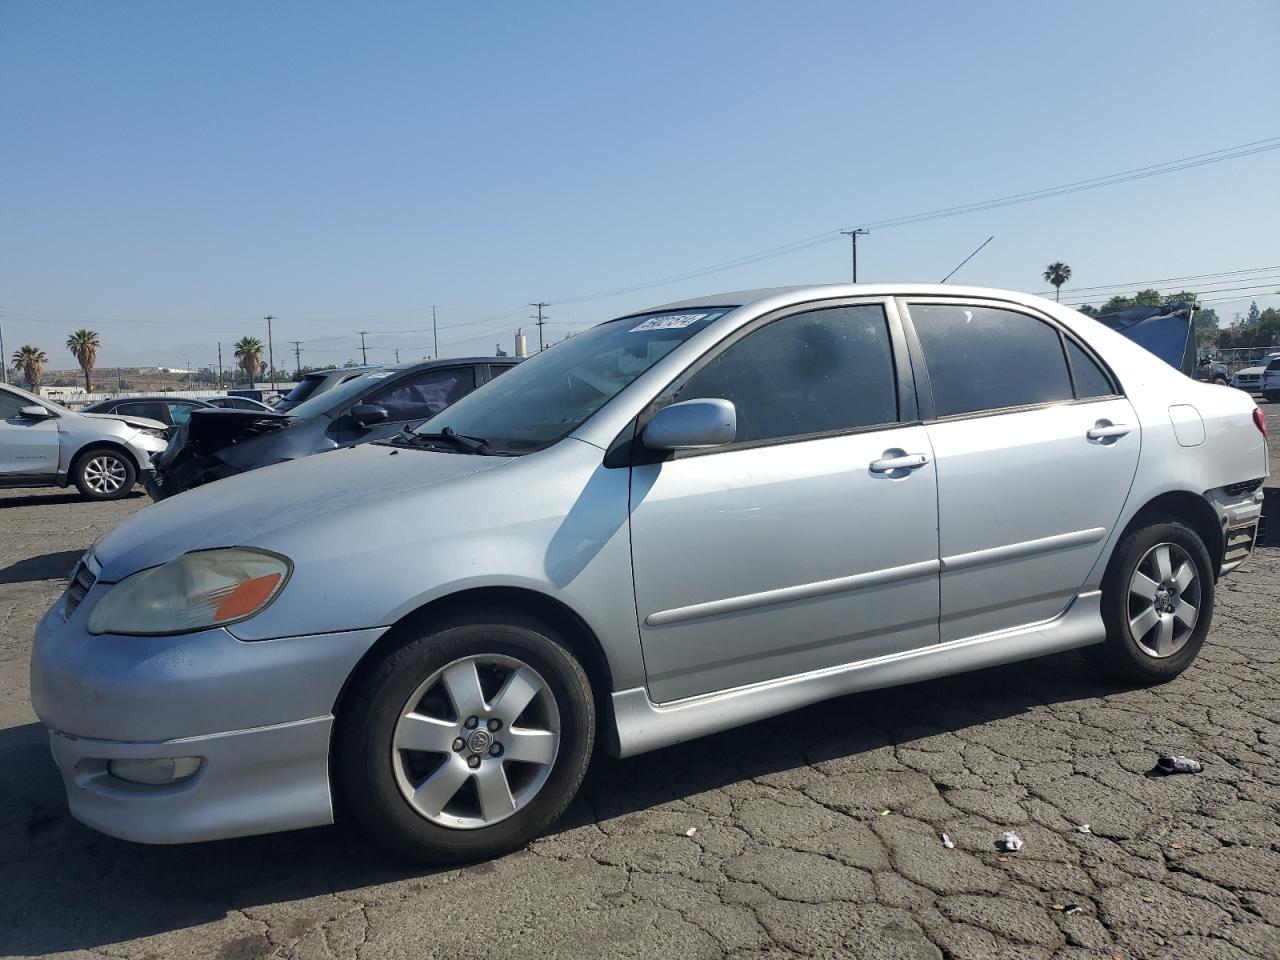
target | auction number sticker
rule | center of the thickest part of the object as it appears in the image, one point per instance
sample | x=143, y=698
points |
x=670, y=321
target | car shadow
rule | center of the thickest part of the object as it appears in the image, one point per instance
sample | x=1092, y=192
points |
x=52, y=499
x=64, y=887
x=50, y=566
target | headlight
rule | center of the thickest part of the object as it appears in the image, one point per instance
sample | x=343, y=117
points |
x=208, y=588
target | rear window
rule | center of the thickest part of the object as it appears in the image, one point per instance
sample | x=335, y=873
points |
x=1274, y=365
x=305, y=388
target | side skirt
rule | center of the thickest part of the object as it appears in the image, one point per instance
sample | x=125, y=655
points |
x=644, y=725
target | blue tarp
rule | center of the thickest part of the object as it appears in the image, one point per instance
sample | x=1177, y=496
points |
x=1168, y=331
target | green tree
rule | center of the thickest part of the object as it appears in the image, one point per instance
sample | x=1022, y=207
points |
x=1057, y=273
x=1254, y=316
x=249, y=357
x=84, y=346
x=30, y=361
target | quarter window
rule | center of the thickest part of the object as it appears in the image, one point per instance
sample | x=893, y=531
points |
x=984, y=358
x=815, y=372
x=1088, y=377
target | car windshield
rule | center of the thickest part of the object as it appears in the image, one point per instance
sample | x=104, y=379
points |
x=552, y=393
x=341, y=394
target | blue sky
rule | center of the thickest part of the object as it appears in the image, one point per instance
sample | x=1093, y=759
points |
x=173, y=171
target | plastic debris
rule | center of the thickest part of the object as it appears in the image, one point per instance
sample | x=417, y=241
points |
x=1179, y=765
x=1072, y=908
x=1083, y=828
x=1003, y=859
x=1010, y=842
x=691, y=831
x=1148, y=899
x=1175, y=846
x=1058, y=906
x=885, y=813
x=946, y=842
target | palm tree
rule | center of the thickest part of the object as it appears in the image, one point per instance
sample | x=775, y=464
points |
x=1057, y=273
x=84, y=346
x=249, y=356
x=30, y=360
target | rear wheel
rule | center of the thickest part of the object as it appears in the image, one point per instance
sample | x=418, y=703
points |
x=103, y=473
x=466, y=742
x=1157, y=601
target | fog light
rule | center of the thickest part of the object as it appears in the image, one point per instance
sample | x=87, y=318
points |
x=156, y=772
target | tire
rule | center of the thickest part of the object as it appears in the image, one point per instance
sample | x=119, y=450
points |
x=104, y=473
x=507, y=653
x=1138, y=647
x=1221, y=381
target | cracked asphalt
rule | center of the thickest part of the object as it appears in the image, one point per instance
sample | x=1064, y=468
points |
x=815, y=834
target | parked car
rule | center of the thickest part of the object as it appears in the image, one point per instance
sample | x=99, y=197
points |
x=371, y=406
x=238, y=403
x=674, y=523
x=164, y=409
x=1211, y=371
x=43, y=444
x=1250, y=378
x=314, y=384
x=1271, y=381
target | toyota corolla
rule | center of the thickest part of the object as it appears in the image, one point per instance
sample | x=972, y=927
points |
x=677, y=522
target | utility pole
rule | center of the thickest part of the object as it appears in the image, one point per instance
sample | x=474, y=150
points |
x=397, y=354
x=219, y=364
x=854, y=235
x=271, y=356
x=4, y=358
x=540, y=304
x=364, y=354
x=297, y=358
x=435, y=336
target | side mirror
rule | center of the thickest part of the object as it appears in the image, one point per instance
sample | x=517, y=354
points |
x=35, y=412
x=692, y=425
x=368, y=414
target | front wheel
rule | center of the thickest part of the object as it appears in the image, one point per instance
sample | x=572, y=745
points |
x=466, y=742
x=103, y=473
x=1157, y=601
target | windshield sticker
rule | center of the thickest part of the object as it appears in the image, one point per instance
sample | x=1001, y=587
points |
x=671, y=321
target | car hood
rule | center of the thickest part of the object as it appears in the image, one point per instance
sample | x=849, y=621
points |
x=142, y=423
x=1250, y=370
x=245, y=510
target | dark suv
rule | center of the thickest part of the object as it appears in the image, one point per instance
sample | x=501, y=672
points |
x=372, y=406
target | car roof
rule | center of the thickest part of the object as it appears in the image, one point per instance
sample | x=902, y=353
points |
x=150, y=397
x=801, y=292
x=411, y=365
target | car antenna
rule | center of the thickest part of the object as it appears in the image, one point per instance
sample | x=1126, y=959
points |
x=967, y=259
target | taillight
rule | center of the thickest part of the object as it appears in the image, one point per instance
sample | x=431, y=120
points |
x=1260, y=421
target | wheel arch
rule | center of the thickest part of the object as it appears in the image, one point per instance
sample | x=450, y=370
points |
x=496, y=601
x=105, y=444
x=1192, y=509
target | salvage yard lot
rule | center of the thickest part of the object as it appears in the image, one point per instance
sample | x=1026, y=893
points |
x=817, y=832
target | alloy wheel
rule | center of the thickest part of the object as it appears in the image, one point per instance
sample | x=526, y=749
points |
x=476, y=741
x=105, y=474
x=1164, y=600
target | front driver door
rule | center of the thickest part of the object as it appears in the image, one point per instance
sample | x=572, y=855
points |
x=28, y=446
x=793, y=548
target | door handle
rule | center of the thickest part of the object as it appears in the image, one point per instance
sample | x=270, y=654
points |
x=906, y=461
x=1104, y=429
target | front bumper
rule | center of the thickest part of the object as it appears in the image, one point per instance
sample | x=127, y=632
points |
x=257, y=714
x=250, y=781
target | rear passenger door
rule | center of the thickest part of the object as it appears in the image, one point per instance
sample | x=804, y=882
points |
x=1036, y=451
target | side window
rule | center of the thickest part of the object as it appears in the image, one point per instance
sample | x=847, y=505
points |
x=180, y=412
x=151, y=410
x=496, y=370
x=985, y=358
x=1089, y=379
x=813, y=372
x=10, y=404
x=424, y=394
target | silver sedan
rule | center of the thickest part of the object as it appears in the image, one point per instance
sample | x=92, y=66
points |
x=677, y=522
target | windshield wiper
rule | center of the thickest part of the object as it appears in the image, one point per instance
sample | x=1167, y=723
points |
x=459, y=441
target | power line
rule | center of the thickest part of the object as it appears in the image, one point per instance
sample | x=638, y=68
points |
x=1137, y=284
